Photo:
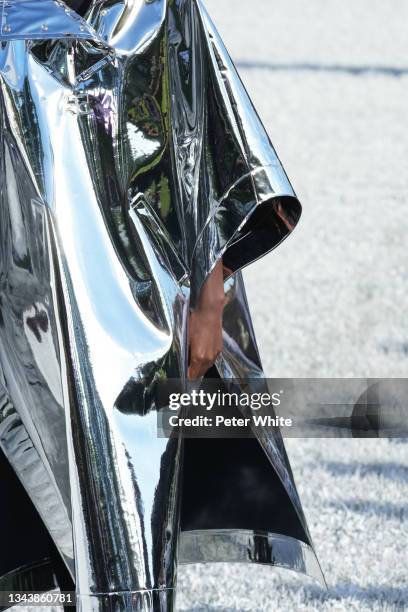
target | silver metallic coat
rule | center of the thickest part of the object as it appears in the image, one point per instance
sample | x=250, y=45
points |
x=131, y=160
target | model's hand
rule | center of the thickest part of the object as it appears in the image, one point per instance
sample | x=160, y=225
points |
x=205, y=328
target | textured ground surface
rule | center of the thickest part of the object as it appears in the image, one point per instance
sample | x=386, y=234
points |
x=330, y=79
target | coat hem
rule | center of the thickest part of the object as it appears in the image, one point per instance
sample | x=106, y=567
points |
x=142, y=600
x=247, y=546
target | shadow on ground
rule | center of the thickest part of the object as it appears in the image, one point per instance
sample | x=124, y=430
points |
x=381, y=595
x=386, y=510
x=392, y=470
x=392, y=71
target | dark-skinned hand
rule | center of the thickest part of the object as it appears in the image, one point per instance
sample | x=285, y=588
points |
x=205, y=325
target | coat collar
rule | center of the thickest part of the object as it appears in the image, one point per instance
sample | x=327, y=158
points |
x=42, y=19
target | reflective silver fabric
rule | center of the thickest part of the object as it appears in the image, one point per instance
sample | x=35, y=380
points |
x=131, y=160
x=38, y=19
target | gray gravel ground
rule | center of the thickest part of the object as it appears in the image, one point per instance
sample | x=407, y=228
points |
x=329, y=79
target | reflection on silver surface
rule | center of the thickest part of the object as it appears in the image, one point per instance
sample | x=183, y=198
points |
x=131, y=160
x=28, y=578
x=248, y=546
x=38, y=478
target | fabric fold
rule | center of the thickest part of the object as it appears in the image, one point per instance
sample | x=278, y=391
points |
x=250, y=203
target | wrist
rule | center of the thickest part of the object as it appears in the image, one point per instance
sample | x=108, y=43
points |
x=211, y=311
x=214, y=303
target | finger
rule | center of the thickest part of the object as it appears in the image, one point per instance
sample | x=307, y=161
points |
x=194, y=373
x=193, y=370
x=198, y=367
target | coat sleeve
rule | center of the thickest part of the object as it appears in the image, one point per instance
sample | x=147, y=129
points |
x=249, y=202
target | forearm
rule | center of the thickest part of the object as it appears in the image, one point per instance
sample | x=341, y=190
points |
x=212, y=296
x=205, y=329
